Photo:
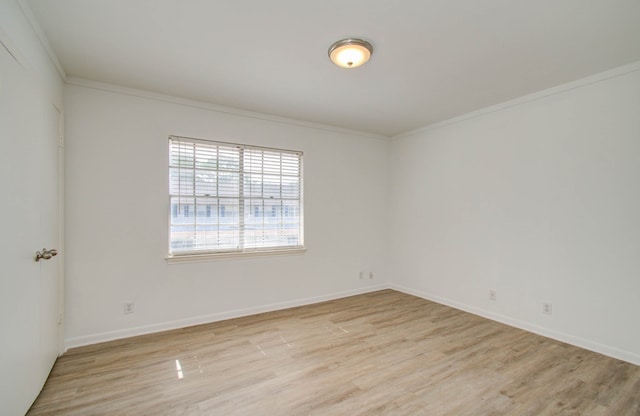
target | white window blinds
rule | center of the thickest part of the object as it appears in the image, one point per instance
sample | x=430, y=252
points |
x=229, y=197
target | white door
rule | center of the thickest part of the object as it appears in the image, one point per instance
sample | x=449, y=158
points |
x=29, y=221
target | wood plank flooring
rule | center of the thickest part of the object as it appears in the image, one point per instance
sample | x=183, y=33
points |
x=382, y=353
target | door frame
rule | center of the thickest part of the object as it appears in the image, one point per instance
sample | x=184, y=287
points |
x=61, y=256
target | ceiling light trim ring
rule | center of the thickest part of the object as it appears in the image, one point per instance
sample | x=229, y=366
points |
x=360, y=47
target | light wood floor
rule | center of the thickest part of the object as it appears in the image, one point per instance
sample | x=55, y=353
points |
x=383, y=353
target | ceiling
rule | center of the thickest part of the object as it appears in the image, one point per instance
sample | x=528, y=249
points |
x=433, y=59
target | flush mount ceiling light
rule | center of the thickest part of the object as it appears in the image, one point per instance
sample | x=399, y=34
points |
x=350, y=53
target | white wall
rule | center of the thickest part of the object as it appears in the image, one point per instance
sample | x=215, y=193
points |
x=539, y=201
x=117, y=213
x=18, y=34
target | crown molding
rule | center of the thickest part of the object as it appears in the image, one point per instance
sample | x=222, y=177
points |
x=44, y=42
x=81, y=82
x=592, y=79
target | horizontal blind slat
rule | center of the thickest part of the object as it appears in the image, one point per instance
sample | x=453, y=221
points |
x=205, y=179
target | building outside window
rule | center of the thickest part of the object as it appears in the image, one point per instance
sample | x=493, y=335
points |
x=233, y=197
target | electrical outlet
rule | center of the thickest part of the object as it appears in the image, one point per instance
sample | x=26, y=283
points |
x=361, y=275
x=371, y=276
x=547, y=308
x=128, y=308
x=492, y=295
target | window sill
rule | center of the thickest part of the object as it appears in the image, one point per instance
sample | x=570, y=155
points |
x=193, y=258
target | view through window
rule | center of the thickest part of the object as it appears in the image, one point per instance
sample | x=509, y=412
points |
x=228, y=197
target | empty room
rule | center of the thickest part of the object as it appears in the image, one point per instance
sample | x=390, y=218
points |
x=320, y=208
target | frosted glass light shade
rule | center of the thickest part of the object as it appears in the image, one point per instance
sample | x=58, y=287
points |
x=350, y=53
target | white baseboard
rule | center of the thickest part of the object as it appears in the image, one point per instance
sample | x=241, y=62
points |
x=237, y=313
x=545, y=332
x=205, y=319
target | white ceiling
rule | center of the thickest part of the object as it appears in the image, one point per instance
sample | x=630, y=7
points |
x=433, y=59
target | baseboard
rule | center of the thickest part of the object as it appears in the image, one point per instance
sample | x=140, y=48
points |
x=545, y=332
x=237, y=313
x=75, y=342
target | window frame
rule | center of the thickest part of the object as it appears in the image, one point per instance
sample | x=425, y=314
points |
x=242, y=197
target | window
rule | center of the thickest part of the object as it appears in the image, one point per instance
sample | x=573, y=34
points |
x=233, y=197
